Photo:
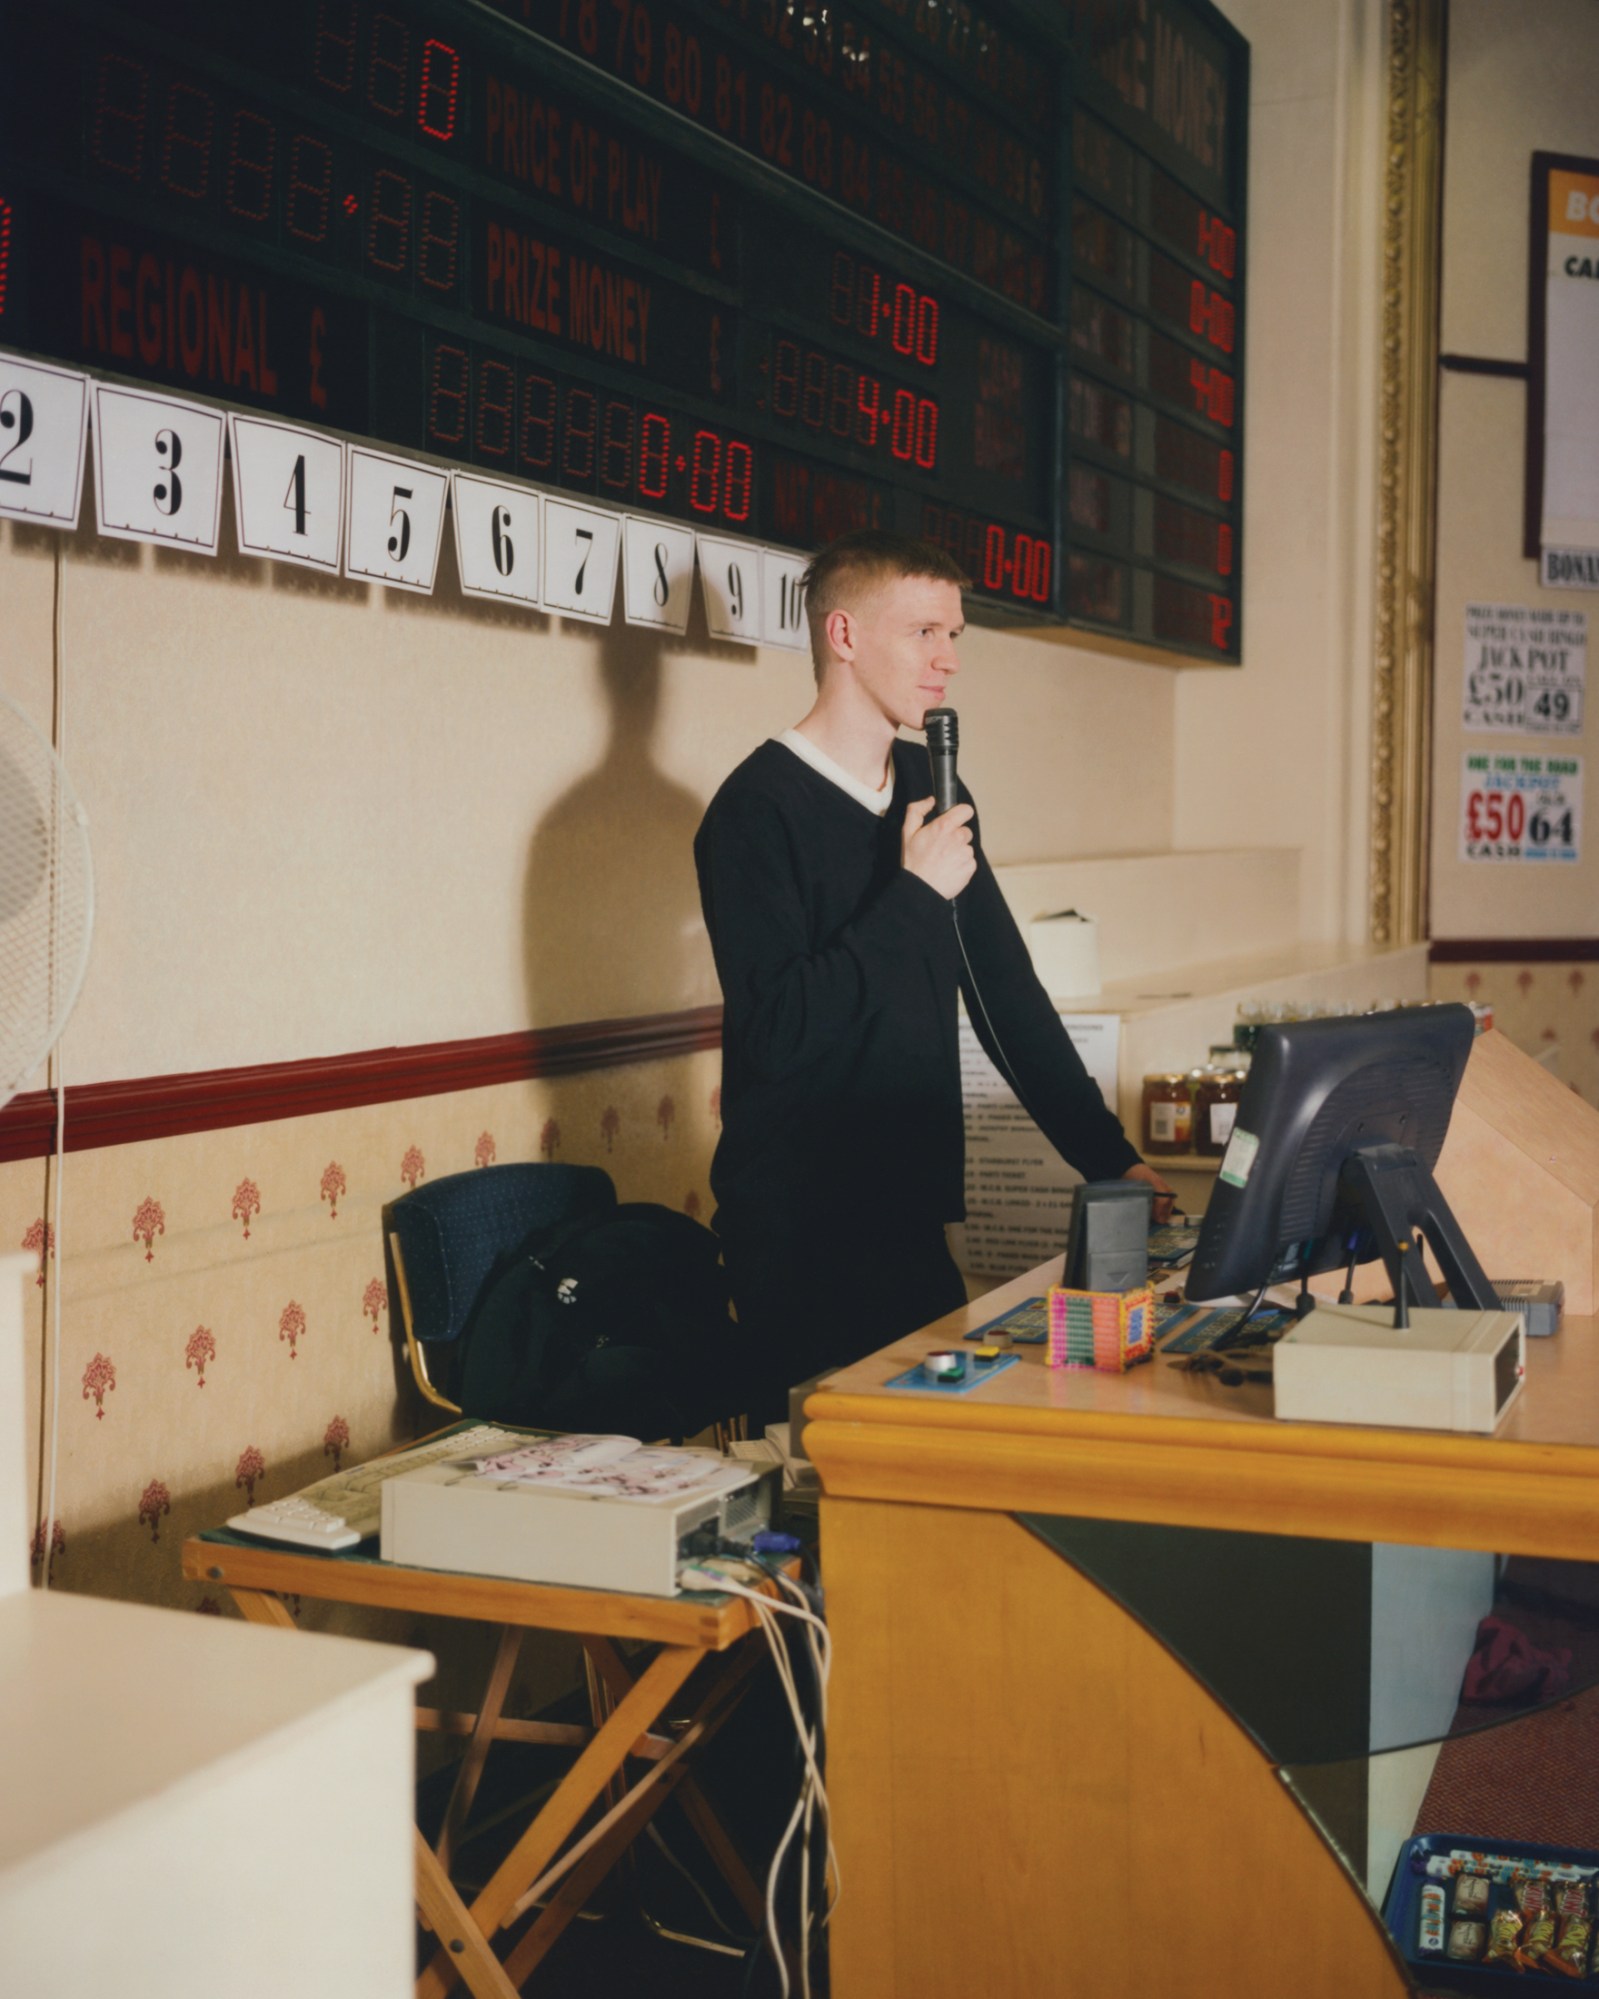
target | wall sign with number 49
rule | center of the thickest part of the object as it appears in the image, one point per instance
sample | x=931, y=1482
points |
x=730, y=579
x=496, y=538
x=657, y=574
x=580, y=549
x=395, y=520
x=44, y=420
x=157, y=469
x=288, y=492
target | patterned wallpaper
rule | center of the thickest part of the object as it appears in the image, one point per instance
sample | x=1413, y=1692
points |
x=226, y=1333
x=1550, y=1011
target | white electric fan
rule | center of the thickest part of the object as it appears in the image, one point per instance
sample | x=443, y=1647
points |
x=46, y=898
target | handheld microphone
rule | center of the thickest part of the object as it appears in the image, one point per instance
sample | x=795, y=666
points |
x=943, y=740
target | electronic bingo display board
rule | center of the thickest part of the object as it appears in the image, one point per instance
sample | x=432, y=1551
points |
x=776, y=267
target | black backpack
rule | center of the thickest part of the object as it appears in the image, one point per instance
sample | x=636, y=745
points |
x=613, y=1321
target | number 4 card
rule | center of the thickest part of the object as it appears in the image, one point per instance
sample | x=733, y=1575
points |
x=496, y=538
x=288, y=492
x=395, y=520
x=580, y=546
x=43, y=423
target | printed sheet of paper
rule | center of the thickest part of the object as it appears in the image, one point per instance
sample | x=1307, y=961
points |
x=1525, y=670
x=1018, y=1188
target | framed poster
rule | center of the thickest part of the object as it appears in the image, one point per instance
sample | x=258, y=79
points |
x=1562, y=498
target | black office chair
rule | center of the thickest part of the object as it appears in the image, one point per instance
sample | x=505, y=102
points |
x=440, y=1242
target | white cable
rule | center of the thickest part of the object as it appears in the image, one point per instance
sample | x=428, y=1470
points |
x=54, y=1204
x=813, y=1790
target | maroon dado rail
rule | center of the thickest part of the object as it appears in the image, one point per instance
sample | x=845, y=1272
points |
x=99, y=1114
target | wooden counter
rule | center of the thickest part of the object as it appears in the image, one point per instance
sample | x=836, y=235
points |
x=1032, y=1794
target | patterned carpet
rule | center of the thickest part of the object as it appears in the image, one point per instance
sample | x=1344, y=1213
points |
x=1530, y=1777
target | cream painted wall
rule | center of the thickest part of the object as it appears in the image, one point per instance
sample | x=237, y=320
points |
x=1521, y=80
x=327, y=817
x=1276, y=753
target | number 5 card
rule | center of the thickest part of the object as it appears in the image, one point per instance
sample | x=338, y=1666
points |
x=288, y=492
x=396, y=520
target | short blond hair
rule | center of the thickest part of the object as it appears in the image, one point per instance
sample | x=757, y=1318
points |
x=849, y=569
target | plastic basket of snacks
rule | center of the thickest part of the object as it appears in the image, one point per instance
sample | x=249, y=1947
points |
x=1470, y=1917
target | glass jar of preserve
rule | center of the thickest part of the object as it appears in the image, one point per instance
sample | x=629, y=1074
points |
x=1168, y=1112
x=1216, y=1109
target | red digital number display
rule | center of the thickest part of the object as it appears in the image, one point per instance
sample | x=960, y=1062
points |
x=826, y=396
x=1002, y=560
x=547, y=427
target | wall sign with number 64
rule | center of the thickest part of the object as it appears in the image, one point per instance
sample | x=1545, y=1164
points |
x=44, y=422
x=1521, y=808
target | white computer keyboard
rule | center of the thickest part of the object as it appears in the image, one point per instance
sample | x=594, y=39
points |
x=340, y=1511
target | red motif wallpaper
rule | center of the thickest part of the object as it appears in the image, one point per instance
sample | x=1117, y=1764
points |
x=261, y=1244
x=1550, y=1011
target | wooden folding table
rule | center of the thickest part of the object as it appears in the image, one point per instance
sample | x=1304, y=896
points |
x=706, y=1648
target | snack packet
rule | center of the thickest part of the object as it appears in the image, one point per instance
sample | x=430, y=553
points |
x=1503, y=1933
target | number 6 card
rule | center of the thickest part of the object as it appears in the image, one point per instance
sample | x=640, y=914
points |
x=396, y=520
x=496, y=538
x=580, y=546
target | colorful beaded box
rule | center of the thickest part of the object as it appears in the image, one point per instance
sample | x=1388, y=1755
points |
x=1109, y=1329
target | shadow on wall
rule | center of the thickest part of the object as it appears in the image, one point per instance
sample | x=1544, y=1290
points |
x=611, y=911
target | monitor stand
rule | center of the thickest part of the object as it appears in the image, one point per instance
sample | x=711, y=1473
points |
x=1394, y=1197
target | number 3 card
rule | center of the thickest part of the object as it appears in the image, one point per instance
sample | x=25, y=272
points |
x=288, y=492
x=396, y=520
x=43, y=423
x=657, y=574
x=158, y=469
x=496, y=538
x=580, y=547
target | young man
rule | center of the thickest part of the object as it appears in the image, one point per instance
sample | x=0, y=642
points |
x=832, y=901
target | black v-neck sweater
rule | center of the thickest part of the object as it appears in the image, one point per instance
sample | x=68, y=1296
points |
x=841, y=1091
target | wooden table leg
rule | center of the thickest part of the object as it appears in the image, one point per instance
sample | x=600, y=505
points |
x=488, y=1721
x=582, y=1784
x=259, y=1606
x=446, y=1914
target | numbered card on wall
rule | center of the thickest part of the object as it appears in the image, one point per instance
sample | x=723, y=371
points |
x=580, y=549
x=395, y=520
x=288, y=492
x=657, y=573
x=496, y=538
x=783, y=601
x=157, y=469
x=44, y=419
x=730, y=578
